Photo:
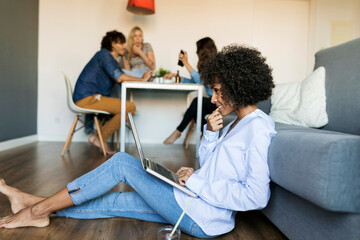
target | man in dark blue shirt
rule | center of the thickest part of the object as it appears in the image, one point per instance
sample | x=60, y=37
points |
x=94, y=85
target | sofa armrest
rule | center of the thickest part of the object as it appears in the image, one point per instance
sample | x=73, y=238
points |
x=320, y=166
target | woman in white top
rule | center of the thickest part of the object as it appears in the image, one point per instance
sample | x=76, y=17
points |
x=233, y=174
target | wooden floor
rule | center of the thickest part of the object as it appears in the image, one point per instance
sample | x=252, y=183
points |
x=39, y=169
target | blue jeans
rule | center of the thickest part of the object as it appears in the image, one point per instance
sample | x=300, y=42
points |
x=153, y=200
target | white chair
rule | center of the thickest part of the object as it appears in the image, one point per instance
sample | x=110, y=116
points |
x=81, y=111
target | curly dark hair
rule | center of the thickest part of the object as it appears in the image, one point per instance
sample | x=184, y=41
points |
x=244, y=75
x=110, y=37
x=206, y=49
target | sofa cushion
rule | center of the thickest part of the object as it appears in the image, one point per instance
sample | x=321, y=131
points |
x=301, y=103
x=342, y=85
x=320, y=166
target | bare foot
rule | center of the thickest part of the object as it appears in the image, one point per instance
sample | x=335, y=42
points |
x=94, y=140
x=173, y=137
x=24, y=218
x=17, y=198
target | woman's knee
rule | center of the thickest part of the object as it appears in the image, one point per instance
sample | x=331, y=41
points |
x=130, y=107
x=123, y=158
x=194, y=101
x=119, y=156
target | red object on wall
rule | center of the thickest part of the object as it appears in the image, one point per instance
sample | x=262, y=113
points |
x=141, y=7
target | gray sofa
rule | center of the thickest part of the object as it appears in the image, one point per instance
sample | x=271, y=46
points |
x=316, y=172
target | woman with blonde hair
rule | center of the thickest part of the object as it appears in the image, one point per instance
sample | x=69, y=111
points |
x=140, y=56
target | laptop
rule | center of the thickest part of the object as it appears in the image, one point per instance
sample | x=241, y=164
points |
x=155, y=169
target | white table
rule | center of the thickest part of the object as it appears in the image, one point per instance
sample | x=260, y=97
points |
x=160, y=86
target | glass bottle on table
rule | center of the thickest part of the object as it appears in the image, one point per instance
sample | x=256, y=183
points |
x=177, y=77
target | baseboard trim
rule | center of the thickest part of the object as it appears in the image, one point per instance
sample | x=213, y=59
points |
x=18, y=142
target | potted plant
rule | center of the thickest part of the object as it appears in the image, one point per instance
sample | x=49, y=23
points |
x=161, y=72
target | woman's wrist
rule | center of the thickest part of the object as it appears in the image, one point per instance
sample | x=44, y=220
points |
x=188, y=67
x=147, y=60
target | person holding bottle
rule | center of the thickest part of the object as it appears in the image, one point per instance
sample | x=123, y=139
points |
x=206, y=49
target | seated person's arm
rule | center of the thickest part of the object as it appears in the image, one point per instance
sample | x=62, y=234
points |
x=195, y=76
x=207, y=145
x=125, y=62
x=169, y=75
x=249, y=193
x=112, y=68
x=126, y=78
x=183, y=79
x=184, y=59
x=149, y=59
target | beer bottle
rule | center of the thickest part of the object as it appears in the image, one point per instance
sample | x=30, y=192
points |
x=177, y=77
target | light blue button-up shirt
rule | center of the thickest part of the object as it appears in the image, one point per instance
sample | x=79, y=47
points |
x=233, y=175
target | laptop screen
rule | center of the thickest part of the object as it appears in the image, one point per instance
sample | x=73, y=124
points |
x=136, y=138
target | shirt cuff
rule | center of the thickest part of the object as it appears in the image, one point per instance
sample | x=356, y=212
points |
x=195, y=183
x=186, y=80
x=209, y=135
x=195, y=76
x=117, y=74
x=193, y=73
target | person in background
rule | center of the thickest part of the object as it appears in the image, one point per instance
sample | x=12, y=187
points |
x=95, y=83
x=206, y=49
x=233, y=174
x=140, y=56
x=137, y=59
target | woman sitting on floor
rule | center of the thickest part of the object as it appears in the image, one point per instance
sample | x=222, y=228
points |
x=234, y=173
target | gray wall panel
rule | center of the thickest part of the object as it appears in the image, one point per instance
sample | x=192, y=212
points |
x=18, y=68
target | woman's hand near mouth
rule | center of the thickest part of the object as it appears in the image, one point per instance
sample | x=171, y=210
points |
x=215, y=120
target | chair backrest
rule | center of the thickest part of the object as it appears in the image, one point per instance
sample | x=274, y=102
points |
x=70, y=102
x=69, y=95
x=69, y=92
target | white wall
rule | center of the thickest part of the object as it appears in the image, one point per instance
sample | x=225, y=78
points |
x=70, y=33
x=280, y=31
x=322, y=14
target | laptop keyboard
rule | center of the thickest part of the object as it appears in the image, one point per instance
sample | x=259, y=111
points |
x=162, y=171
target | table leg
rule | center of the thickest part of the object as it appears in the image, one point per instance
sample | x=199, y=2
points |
x=122, y=119
x=198, y=120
